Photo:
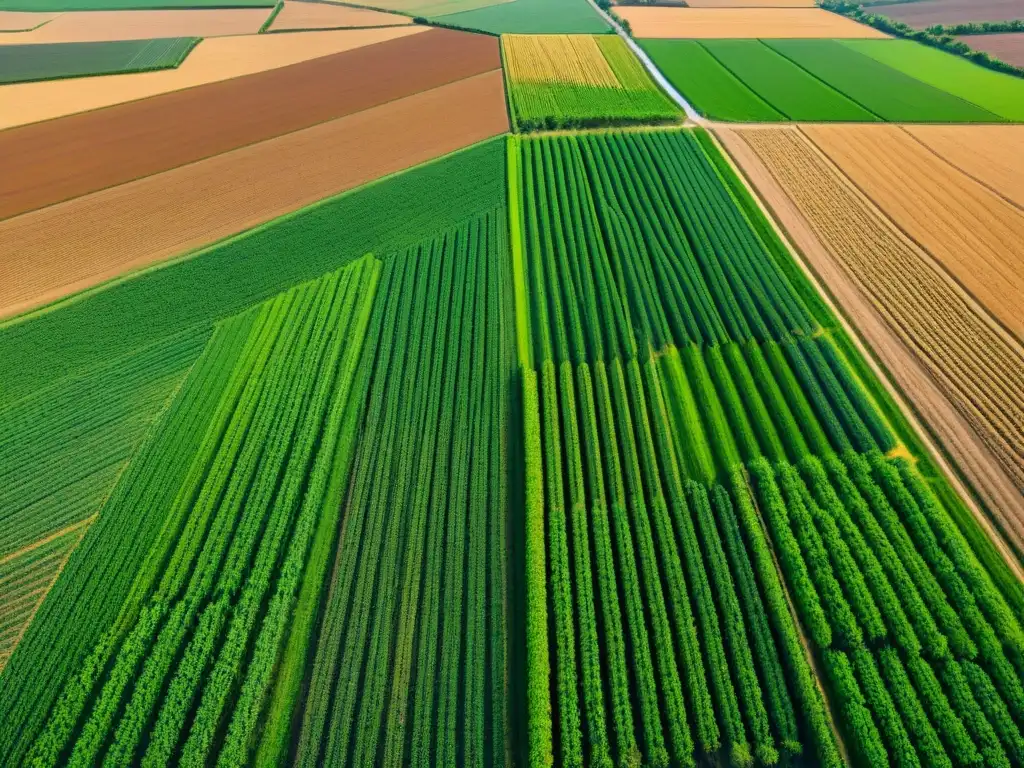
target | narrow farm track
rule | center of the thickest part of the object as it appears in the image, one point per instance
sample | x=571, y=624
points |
x=46, y=540
x=128, y=227
x=927, y=404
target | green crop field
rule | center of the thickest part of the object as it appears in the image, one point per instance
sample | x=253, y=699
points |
x=531, y=17
x=886, y=92
x=561, y=81
x=704, y=82
x=1000, y=94
x=53, y=61
x=791, y=90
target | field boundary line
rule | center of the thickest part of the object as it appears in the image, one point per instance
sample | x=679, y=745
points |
x=953, y=165
x=966, y=488
x=47, y=539
x=936, y=264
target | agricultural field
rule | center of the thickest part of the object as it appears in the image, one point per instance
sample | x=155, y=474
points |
x=55, y=61
x=764, y=22
x=562, y=81
x=23, y=21
x=1008, y=47
x=924, y=13
x=428, y=383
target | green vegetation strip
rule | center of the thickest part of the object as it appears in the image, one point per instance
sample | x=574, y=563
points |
x=999, y=93
x=887, y=92
x=54, y=61
x=712, y=89
x=530, y=17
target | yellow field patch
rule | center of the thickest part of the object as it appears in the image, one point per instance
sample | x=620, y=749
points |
x=709, y=23
x=575, y=59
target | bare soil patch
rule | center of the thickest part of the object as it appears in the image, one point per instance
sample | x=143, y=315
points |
x=709, y=23
x=19, y=21
x=912, y=382
x=1008, y=46
x=991, y=154
x=56, y=251
x=302, y=15
x=213, y=60
x=924, y=13
x=974, y=233
x=96, y=26
x=61, y=159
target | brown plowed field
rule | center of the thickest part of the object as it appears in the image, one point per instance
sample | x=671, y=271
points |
x=927, y=12
x=50, y=253
x=833, y=256
x=750, y=3
x=214, y=60
x=96, y=26
x=1008, y=46
x=16, y=21
x=992, y=154
x=975, y=234
x=650, y=22
x=301, y=15
x=62, y=159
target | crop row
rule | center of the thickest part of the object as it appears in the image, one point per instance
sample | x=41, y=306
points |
x=913, y=635
x=410, y=668
x=217, y=586
x=558, y=81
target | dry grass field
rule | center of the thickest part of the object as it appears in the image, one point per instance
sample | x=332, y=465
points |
x=991, y=154
x=61, y=159
x=95, y=26
x=303, y=15
x=19, y=21
x=212, y=61
x=973, y=232
x=68, y=247
x=980, y=368
x=650, y=22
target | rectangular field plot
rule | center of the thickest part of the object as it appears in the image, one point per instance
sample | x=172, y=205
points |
x=788, y=88
x=55, y=61
x=712, y=89
x=999, y=93
x=888, y=93
x=558, y=81
x=713, y=23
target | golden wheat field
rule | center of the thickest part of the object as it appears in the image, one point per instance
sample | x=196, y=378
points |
x=979, y=368
x=973, y=232
x=573, y=59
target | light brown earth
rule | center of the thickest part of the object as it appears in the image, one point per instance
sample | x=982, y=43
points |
x=17, y=21
x=990, y=154
x=1008, y=46
x=977, y=366
x=750, y=3
x=50, y=253
x=903, y=374
x=97, y=26
x=211, y=61
x=976, y=235
x=303, y=15
x=648, y=22
x=61, y=159
x=924, y=13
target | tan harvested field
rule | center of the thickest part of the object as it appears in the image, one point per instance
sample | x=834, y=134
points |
x=1008, y=46
x=575, y=59
x=978, y=366
x=303, y=15
x=61, y=159
x=847, y=241
x=212, y=61
x=649, y=22
x=973, y=232
x=924, y=13
x=750, y=3
x=992, y=154
x=96, y=26
x=55, y=251
x=18, y=21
